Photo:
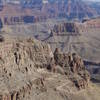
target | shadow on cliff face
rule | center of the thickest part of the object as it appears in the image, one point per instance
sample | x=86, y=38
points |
x=95, y=80
x=91, y=63
x=94, y=70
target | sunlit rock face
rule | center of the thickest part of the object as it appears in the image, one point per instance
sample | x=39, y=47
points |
x=19, y=59
x=27, y=65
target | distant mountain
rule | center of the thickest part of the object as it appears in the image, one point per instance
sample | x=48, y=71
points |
x=95, y=5
x=69, y=9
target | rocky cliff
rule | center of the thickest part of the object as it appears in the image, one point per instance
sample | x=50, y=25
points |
x=69, y=9
x=85, y=43
x=62, y=28
x=19, y=60
x=30, y=71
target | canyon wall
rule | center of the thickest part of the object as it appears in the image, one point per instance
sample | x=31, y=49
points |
x=20, y=60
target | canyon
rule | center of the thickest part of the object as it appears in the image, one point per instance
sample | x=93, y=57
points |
x=37, y=11
x=80, y=38
x=36, y=73
x=49, y=49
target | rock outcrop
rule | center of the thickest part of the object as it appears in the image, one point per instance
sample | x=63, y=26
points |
x=71, y=65
x=19, y=60
x=93, y=23
x=64, y=29
x=22, y=61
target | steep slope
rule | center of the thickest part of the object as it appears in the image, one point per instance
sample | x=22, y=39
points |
x=30, y=71
x=82, y=38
